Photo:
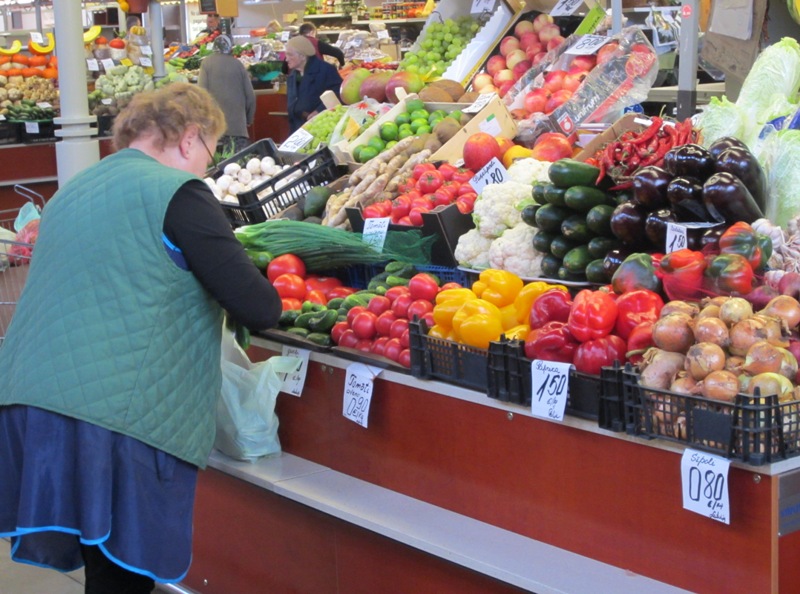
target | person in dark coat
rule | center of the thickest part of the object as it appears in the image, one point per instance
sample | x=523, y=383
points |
x=309, y=31
x=309, y=77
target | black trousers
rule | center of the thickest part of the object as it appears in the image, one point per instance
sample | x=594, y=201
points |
x=103, y=576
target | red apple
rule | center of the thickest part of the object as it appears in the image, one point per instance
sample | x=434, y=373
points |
x=520, y=68
x=495, y=64
x=554, y=80
x=536, y=99
x=557, y=99
x=548, y=32
x=555, y=42
x=505, y=87
x=481, y=80
x=505, y=143
x=508, y=45
x=573, y=80
x=479, y=149
x=522, y=28
x=533, y=49
x=551, y=146
x=515, y=58
x=583, y=62
x=528, y=39
x=541, y=20
x=538, y=58
x=605, y=53
x=502, y=76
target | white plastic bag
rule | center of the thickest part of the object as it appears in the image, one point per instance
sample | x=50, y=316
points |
x=247, y=426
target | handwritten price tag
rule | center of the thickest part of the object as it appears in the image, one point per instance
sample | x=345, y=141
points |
x=107, y=101
x=383, y=34
x=492, y=173
x=481, y=102
x=358, y=385
x=704, y=482
x=285, y=36
x=481, y=6
x=565, y=7
x=375, y=230
x=676, y=237
x=296, y=141
x=43, y=104
x=587, y=45
x=293, y=383
x=92, y=65
x=550, y=385
x=37, y=37
x=32, y=127
x=108, y=64
x=146, y=50
x=145, y=62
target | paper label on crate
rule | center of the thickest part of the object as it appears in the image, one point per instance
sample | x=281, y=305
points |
x=587, y=45
x=37, y=37
x=481, y=102
x=375, y=230
x=592, y=20
x=382, y=34
x=704, y=483
x=145, y=62
x=2, y=118
x=293, y=383
x=491, y=126
x=491, y=173
x=351, y=128
x=146, y=50
x=285, y=36
x=43, y=105
x=296, y=141
x=358, y=385
x=32, y=127
x=92, y=65
x=549, y=389
x=565, y=8
x=126, y=62
x=108, y=64
x=107, y=101
x=676, y=238
x=481, y=6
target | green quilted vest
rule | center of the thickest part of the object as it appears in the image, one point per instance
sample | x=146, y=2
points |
x=108, y=329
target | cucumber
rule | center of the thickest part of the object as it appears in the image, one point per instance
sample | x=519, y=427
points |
x=560, y=246
x=555, y=195
x=288, y=317
x=584, y=198
x=301, y=332
x=304, y=319
x=397, y=281
x=598, y=219
x=565, y=173
x=577, y=259
x=595, y=272
x=319, y=338
x=600, y=246
x=335, y=303
x=566, y=275
x=396, y=266
x=528, y=214
x=550, y=266
x=323, y=321
x=542, y=241
x=549, y=217
x=538, y=194
x=574, y=228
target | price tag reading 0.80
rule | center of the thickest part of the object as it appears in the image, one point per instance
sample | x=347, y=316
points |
x=704, y=479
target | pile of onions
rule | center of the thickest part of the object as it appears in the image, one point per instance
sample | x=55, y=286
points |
x=784, y=307
x=711, y=329
x=720, y=385
x=673, y=332
x=704, y=358
x=659, y=367
x=735, y=310
x=772, y=383
x=764, y=357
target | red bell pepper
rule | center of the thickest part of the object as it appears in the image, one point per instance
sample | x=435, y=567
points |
x=553, y=305
x=639, y=340
x=593, y=315
x=740, y=238
x=551, y=342
x=637, y=271
x=592, y=355
x=730, y=273
x=682, y=274
x=636, y=307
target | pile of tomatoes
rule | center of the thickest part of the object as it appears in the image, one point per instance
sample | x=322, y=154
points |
x=287, y=273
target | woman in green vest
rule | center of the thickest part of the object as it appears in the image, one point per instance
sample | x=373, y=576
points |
x=109, y=372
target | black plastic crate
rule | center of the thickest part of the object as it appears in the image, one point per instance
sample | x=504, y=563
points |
x=446, y=274
x=448, y=361
x=754, y=429
x=284, y=189
x=105, y=125
x=42, y=131
x=9, y=132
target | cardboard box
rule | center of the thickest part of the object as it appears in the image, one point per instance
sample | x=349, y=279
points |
x=625, y=123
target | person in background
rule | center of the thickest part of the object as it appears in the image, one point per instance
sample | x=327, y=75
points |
x=309, y=77
x=309, y=31
x=227, y=80
x=213, y=23
x=110, y=368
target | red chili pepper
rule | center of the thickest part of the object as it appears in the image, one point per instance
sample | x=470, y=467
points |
x=593, y=355
x=551, y=342
x=593, y=315
x=634, y=308
x=553, y=305
x=650, y=131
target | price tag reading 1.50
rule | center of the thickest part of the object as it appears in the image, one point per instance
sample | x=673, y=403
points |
x=550, y=388
x=704, y=482
x=492, y=173
x=676, y=238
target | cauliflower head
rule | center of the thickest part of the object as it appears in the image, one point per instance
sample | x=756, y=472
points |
x=472, y=250
x=514, y=252
x=529, y=171
x=496, y=210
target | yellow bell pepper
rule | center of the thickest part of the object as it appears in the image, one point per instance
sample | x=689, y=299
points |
x=519, y=332
x=480, y=329
x=528, y=295
x=508, y=316
x=437, y=331
x=445, y=309
x=448, y=294
x=476, y=307
x=499, y=287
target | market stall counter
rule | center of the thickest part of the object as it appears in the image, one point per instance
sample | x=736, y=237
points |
x=345, y=508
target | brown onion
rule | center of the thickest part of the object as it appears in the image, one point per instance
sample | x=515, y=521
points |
x=703, y=358
x=784, y=307
x=772, y=383
x=718, y=300
x=734, y=364
x=744, y=382
x=683, y=383
x=711, y=330
x=691, y=309
x=658, y=367
x=763, y=357
x=734, y=310
x=745, y=334
x=673, y=332
x=709, y=311
x=773, y=330
x=720, y=385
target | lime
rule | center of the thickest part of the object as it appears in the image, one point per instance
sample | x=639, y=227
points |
x=418, y=123
x=357, y=152
x=455, y=114
x=367, y=153
x=376, y=143
x=433, y=121
x=439, y=113
x=389, y=131
x=390, y=144
x=423, y=129
x=414, y=104
x=403, y=118
x=405, y=133
x=419, y=114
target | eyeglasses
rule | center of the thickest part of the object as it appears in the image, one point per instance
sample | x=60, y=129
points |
x=211, y=157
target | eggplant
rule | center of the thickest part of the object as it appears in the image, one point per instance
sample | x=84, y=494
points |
x=689, y=160
x=650, y=187
x=655, y=227
x=710, y=238
x=627, y=223
x=694, y=238
x=728, y=200
x=724, y=142
x=743, y=164
x=685, y=195
x=613, y=260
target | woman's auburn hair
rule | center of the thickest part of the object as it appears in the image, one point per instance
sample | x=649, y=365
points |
x=166, y=113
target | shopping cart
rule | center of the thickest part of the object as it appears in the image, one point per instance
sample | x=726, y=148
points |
x=15, y=257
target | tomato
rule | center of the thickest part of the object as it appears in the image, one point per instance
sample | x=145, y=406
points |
x=400, y=305
x=379, y=344
x=285, y=264
x=407, y=185
x=423, y=286
x=415, y=216
x=451, y=187
x=322, y=283
x=430, y=182
x=378, y=210
x=379, y=304
x=363, y=324
x=316, y=297
x=337, y=292
x=404, y=358
x=422, y=168
x=384, y=323
x=290, y=285
x=419, y=308
x=394, y=292
x=450, y=285
x=442, y=197
x=428, y=319
x=290, y=303
x=414, y=194
x=348, y=339
x=405, y=221
x=422, y=202
x=447, y=170
x=465, y=189
x=405, y=338
x=338, y=329
x=398, y=327
x=401, y=205
x=364, y=345
x=462, y=175
x=353, y=312
x=466, y=203
x=392, y=349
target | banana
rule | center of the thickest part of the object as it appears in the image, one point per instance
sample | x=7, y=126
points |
x=14, y=49
x=43, y=50
x=92, y=34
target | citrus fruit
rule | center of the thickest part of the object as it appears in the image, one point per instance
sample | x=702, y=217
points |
x=357, y=152
x=414, y=104
x=401, y=119
x=420, y=114
x=377, y=143
x=424, y=129
x=416, y=124
x=389, y=131
x=367, y=153
x=405, y=133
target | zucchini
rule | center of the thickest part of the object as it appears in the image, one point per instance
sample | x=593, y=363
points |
x=549, y=217
x=560, y=246
x=542, y=241
x=577, y=259
x=550, y=266
x=574, y=228
x=538, y=194
x=598, y=219
x=555, y=195
x=600, y=246
x=566, y=275
x=584, y=198
x=595, y=273
x=528, y=214
x=566, y=173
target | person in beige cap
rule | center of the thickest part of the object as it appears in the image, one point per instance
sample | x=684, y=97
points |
x=309, y=77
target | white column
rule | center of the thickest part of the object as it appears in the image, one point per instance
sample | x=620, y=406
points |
x=77, y=149
x=156, y=16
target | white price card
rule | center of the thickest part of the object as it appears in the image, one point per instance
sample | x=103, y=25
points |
x=481, y=102
x=383, y=34
x=566, y=8
x=492, y=173
x=43, y=104
x=704, y=483
x=210, y=46
x=481, y=6
x=107, y=101
x=549, y=388
x=285, y=36
x=676, y=238
x=358, y=384
x=37, y=37
x=92, y=65
x=296, y=141
x=2, y=118
x=146, y=50
x=108, y=64
x=587, y=45
x=374, y=232
x=32, y=127
x=145, y=62
x=294, y=383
